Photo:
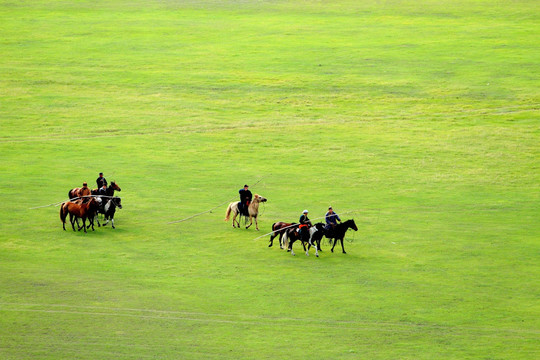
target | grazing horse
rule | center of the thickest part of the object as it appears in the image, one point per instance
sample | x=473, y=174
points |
x=338, y=233
x=79, y=209
x=253, y=211
x=110, y=209
x=279, y=228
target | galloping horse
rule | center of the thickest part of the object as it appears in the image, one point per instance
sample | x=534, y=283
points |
x=253, y=211
x=339, y=231
x=279, y=228
x=79, y=209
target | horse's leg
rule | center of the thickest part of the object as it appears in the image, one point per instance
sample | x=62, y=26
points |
x=84, y=223
x=332, y=249
x=272, y=237
x=307, y=251
x=291, y=242
x=234, y=220
x=342, y=248
x=72, y=221
x=112, y=220
x=250, y=222
x=256, y=223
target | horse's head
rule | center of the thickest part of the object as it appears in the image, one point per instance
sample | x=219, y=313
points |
x=115, y=187
x=259, y=198
x=352, y=224
x=117, y=201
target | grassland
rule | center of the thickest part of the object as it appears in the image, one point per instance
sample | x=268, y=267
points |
x=418, y=119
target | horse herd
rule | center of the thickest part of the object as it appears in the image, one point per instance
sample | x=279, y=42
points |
x=289, y=233
x=86, y=204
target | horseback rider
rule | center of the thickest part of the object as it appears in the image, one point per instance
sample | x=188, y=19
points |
x=304, y=221
x=331, y=220
x=103, y=190
x=245, y=200
x=85, y=191
x=100, y=181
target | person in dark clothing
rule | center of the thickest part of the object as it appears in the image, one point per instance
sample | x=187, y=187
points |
x=305, y=223
x=103, y=190
x=331, y=220
x=100, y=181
x=245, y=200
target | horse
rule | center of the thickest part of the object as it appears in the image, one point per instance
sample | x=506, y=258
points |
x=279, y=228
x=293, y=234
x=109, y=191
x=79, y=209
x=79, y=192
x=338, y=233
x=316, y=233
x=110, y=209
x=253, y=211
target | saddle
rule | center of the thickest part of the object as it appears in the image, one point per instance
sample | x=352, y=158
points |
x=243, y=209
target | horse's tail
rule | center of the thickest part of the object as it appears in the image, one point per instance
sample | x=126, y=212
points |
x=228, y=213
x=285, y=240
x=63, y=213
x=69, y=194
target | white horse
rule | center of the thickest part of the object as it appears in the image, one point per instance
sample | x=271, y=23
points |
x=253, y=211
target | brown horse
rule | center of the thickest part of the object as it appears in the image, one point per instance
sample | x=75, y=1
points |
x=253, y=211
x=279, y=228
x=79, y=209
x=79, y=192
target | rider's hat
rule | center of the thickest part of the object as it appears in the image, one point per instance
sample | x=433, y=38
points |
x=304, y=212
x=329, y=207
x=246, y=186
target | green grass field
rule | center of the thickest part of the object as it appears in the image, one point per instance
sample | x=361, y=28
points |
x=419, y=119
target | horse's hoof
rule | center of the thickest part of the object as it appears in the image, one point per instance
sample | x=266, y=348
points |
x=344, y=252
x=332, y=250
x=270, y=245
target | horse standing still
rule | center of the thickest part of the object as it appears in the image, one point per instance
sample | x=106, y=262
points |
x=79, y=209
x=253, y=211
x=279, y=228
x=338, y=233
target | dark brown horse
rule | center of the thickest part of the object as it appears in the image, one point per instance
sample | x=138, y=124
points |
x=79, y=192
x=79, y=210
x=110, y=189
x=278, y=229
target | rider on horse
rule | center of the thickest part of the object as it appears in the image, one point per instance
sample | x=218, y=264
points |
x=331, y=220
x=245, y=200
x=100, y=181
x=304, y=221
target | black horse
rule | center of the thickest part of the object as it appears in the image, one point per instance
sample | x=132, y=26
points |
x=293, y=234
x=338, y=233
x=110, y=209
x=109, y=191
